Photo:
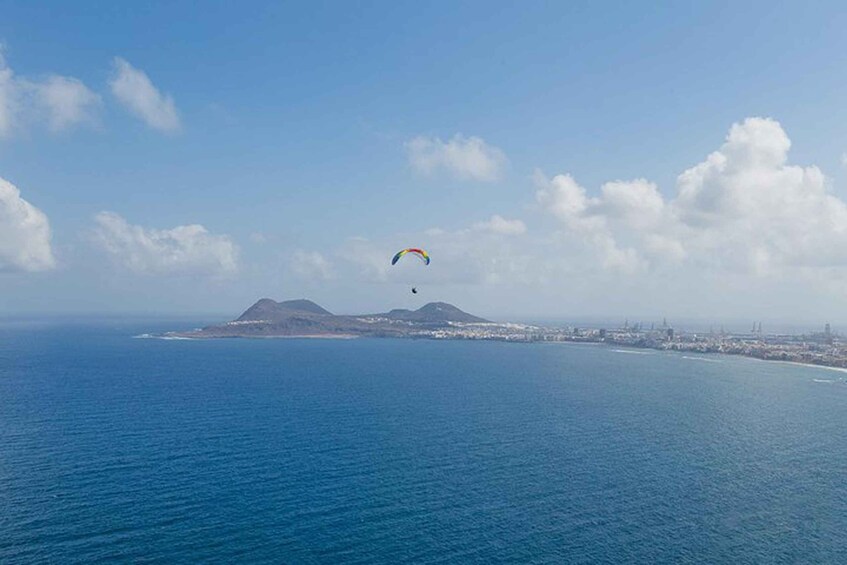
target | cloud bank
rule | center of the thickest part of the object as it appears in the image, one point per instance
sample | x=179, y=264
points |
x=183, y=250
x=134, y=89
x=468, y=158
x=24, y=233
x=744, y=209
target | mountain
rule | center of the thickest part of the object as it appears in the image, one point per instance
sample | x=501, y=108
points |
x=268, y=318
x=434, y=312
x=269, y=310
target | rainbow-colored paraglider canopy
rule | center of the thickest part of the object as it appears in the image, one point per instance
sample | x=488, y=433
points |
x=422, y=255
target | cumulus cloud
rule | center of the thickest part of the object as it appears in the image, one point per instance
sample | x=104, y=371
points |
x=311, y=265
x=183, y=250
x=59, y=102
x=743, y=209
x=464, y=157
x=67, y=102
x=134, y=89
x=500, y=225
x=24, y=233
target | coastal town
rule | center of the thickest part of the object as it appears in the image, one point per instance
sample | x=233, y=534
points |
x=438, y=320
x=824, y=348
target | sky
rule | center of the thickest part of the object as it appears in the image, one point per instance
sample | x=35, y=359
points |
x=558, y=160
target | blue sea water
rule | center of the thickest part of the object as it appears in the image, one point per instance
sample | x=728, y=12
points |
x=387, y=451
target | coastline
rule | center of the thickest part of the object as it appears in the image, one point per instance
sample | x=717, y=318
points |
x=199, y=337
x=713, y=357
x=797, y=363
x=303, y=319
x=309, y=336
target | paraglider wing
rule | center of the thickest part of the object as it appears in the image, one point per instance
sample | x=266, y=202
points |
x=420, y=253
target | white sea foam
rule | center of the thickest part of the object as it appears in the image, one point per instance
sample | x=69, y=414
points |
x=706, y=359
x=631, y=352
x=175, y=338
x=164, y=337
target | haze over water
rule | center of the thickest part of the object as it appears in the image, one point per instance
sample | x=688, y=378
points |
x=325, y=451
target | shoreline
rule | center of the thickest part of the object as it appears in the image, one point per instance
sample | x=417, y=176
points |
x=799, y=364
x=701, y=356
x=694, y=355
x=185, y=337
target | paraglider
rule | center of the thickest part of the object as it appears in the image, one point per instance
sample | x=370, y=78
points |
x=419, y=253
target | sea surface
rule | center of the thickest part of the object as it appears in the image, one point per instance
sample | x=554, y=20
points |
x=120, y=449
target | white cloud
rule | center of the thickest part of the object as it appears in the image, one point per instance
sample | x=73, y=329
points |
x=500, y=225
x=464, y=157
x=24, y=233
x=368, y=258
x=67, y=101
x=311, y=265
x=58, y=101
x=8, y=98
x=183, y=250
x=743, y=209
x=133, y=88
x=587, y=217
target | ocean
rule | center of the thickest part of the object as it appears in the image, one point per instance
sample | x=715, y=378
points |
x=115, y=448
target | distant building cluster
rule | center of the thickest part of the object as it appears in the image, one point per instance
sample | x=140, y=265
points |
x=819, y=348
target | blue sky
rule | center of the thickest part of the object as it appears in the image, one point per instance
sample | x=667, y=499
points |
x=293, y=148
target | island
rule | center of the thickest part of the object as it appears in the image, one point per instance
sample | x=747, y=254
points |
x=303, y=318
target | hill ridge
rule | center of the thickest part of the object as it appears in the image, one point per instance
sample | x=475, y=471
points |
x=303, y=317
